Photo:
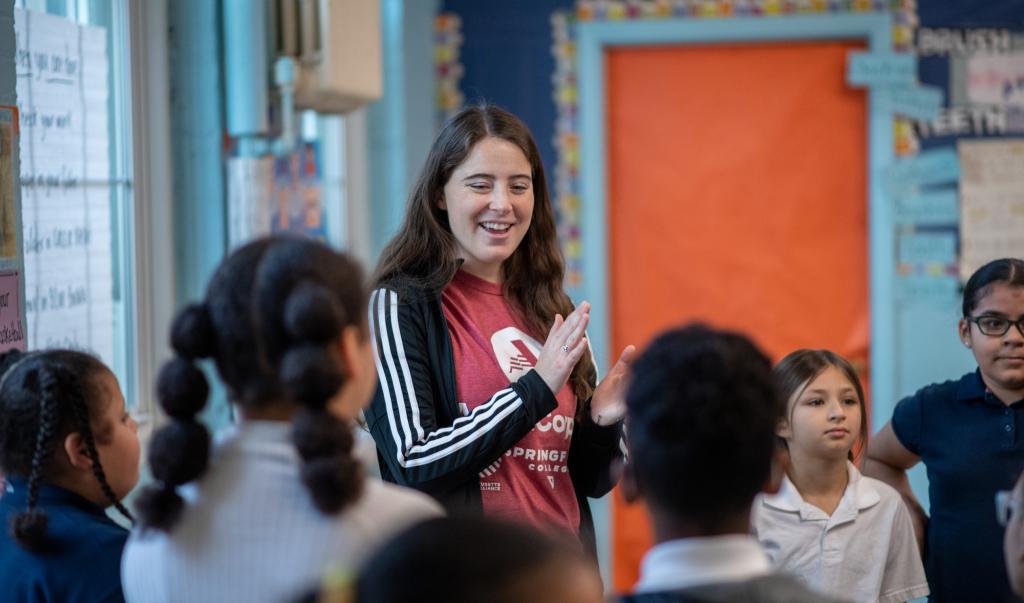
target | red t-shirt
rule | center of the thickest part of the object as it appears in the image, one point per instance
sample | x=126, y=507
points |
x=493, y=348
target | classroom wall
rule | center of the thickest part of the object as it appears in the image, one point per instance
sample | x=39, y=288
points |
x=507, y=60
x=401, y=125
x=7, y=77
x=506, y=56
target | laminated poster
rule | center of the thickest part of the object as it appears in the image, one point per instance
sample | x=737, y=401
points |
x=991, y=201
x=62, y=77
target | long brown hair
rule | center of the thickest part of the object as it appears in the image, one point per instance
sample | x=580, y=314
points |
x=425, y=252
x=796, y=371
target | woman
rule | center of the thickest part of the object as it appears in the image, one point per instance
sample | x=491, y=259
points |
x=475, y=406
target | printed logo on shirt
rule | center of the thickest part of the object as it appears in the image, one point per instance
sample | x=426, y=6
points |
x=541, y=460
x=491, y=469
x=516, y=351
x=557, y=423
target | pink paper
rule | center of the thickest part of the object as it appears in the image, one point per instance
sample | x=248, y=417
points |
x=12, y=331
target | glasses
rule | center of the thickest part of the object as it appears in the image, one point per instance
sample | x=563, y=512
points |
x=996, y=326
x=1007, y=506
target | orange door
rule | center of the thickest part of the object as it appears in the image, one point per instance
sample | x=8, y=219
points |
x=737, y=196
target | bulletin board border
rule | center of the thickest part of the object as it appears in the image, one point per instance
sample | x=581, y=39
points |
x=595, y=38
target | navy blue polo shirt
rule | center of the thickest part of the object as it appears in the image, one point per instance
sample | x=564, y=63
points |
x=972, y=446
x=83, y=563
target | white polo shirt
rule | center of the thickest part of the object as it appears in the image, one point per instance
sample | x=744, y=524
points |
x=689, y=562
x=864, y=552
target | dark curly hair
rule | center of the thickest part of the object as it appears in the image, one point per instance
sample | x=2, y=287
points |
x=44, y=397
x=702, y=410
x=272, y=310
x=465, y=559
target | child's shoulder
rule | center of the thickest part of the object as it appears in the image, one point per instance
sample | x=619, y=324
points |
x=889, y=500
x=944, y=390
x=382, y=498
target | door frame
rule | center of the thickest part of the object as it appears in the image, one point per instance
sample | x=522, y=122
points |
x=594, y=38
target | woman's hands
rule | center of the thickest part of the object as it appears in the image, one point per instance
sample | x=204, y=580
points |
x=564, y=347
x=608, y=405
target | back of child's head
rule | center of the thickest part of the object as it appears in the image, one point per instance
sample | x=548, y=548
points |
x=702, y=410
x=272, y=317
x=796, y=371
x=44, y=397
x=467, y=559
x=1009, y=271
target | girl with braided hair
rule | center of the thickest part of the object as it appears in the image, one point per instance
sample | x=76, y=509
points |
x=261, y=514
x=68, y=449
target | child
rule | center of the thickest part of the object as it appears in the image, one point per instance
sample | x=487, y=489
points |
x=965, y=433
x=281, y=498
x=68, y=448
x=841, y=533
x=702, y=411
x=467, y=559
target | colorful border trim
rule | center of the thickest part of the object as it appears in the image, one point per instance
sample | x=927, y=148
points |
x=566, y=91
x=447, y=47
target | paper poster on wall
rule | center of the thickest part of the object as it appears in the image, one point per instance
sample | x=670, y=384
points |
x=996, y=79
x=8, y=212
x=933, y=167
x=297, y=194
x=931, y=208
x=250, y=184
x=62, y=78
x=926, y=289
x=991, y=201
x=12, y=331
x=927, y=248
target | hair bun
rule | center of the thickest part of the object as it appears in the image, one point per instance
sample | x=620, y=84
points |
x=332, y=475
x=179, y=452
x=192, y=333
x=334, y=482
x=317, y=435
x=311, y=314
x=182, y=389
x=310, y=375
x=160, y=507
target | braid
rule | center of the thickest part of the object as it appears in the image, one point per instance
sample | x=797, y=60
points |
x=312, y=317
x=29, y=527
x=85, y=428
x=180, y=451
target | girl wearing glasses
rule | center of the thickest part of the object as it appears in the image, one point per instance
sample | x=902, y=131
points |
x=967, y=432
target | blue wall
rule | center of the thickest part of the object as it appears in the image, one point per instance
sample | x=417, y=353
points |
x=506, y=54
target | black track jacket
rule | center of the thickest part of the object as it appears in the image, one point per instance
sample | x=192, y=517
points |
x=424, y=442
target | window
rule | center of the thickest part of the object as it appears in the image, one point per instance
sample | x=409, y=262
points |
x=76, y=176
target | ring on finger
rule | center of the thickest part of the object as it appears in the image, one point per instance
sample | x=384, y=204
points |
x=565, y=349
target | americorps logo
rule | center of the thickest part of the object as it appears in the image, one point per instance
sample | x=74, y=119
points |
x=516, y=351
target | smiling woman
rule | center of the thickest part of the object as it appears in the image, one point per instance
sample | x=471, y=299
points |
x=478, y=343
x=489, y=200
